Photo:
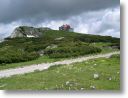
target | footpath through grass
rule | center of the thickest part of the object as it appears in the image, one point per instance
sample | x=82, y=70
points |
x=42, y=59
x=79, y=76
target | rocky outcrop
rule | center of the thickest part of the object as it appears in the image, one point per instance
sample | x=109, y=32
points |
x=52, y=46
x=60, y=38
x=25, y=31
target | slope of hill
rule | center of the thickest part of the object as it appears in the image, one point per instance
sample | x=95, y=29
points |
x=54, y=44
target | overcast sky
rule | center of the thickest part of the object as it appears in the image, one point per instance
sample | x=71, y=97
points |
x=85, y=16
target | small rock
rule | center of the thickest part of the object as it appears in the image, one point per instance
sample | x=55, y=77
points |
x=95, y=64
x=110, y=78
x=96, y=76
x=92, y=87
x=52, y=46
x=118, y=72
x=82, y=88
x=67, y=82
x=41, y=52
x=60, y=38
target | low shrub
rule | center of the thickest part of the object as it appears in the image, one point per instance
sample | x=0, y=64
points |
x=13, y=55
x=97, y=38
x=63, y=52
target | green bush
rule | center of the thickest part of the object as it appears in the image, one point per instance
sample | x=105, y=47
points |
x=97, y=38
x=63, y=52
x=13, y=55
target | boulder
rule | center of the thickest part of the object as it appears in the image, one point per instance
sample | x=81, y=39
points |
x=60, y=38
x=52, y=46
x=25, y=31
x=96, y=76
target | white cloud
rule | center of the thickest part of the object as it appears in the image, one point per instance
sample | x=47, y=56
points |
x=102, y=22
x=5, y=30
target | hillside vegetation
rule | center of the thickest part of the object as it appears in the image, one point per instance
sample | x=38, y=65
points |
x=54, y=44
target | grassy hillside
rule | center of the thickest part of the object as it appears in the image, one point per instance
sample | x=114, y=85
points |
x=79, y=76
x=54, y=44
x=59, y=45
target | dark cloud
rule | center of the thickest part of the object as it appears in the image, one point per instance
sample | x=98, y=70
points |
x=38, y=10
x=101, y=22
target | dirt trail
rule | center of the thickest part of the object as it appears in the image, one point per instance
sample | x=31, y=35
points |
x=43, y=66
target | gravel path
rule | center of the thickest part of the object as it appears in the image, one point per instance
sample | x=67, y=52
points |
x=43, y=66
